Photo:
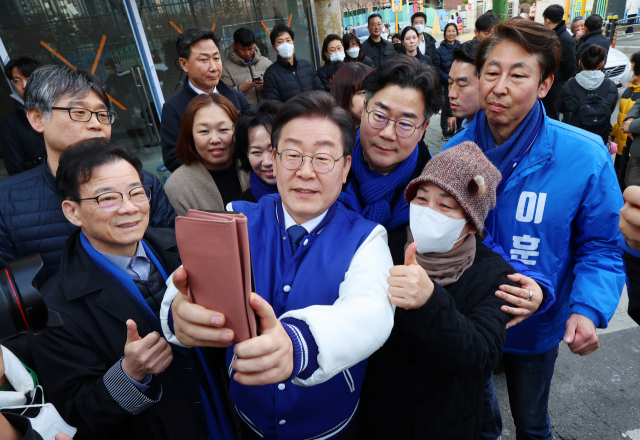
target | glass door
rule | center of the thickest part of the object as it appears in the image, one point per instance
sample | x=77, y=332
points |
x=164, y=20
x=94, y=35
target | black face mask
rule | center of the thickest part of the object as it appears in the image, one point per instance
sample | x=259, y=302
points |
x=396, y=46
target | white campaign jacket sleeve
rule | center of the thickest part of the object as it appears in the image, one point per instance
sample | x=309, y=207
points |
x=169, y=296
x=360, y=321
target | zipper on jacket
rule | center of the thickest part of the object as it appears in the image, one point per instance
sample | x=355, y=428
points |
x=297, y=82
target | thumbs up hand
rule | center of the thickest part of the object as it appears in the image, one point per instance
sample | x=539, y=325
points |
x=149, y=355
x=409, y=286
x=267, y=358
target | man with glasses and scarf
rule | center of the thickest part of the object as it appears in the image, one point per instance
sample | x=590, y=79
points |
x=321, y=288
x=108, y=370
x=400, y=97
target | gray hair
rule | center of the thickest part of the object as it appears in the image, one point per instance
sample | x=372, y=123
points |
x=51, y=83
x=573, y=22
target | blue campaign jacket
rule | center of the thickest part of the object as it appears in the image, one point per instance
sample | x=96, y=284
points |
x=559, y=214
x=309, y=277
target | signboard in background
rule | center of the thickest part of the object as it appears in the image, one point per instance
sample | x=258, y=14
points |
x=397, y=5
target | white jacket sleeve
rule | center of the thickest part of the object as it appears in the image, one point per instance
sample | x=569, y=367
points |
x=165, y=307
x=360, y=321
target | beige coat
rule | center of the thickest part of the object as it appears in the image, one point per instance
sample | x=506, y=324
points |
x=192, y=187
x=235, y=71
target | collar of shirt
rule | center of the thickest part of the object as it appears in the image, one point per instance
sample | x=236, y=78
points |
x=466, y=122
x=198, y=91
x=309, y=226
x=137, y=267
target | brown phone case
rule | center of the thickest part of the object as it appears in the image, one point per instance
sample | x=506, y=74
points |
x=214, y=248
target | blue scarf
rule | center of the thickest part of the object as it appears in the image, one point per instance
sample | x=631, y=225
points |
x=504, y=155
x=259, y=187
x=377, y=190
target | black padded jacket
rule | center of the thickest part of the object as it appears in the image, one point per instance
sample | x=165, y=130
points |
x=283, y=80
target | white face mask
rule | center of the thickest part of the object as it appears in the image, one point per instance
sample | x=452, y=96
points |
x=419, y=28
x=338, y=56
x=285, y=50
x=434, y=232
x=354, y=52
x=49, y=423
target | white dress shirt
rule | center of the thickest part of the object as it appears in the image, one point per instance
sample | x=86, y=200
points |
x=200, y=92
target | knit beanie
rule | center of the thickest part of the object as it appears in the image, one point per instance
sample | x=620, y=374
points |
x=466, y=173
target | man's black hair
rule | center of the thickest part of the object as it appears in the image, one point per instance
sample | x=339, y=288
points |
x=635, y=59
x=466, y=52
x=419, y=15
x=79, y=160
x=555, y=13
x=25, y=65
x=593, y=22
x=486, y=22
x=258, y=115
x=406, y=72
x=315, y=104
x=279, y=29
x=374, y=15
x=244, y=37
x=191, y=36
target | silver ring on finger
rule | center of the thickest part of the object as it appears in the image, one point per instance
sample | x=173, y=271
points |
x=530, y=295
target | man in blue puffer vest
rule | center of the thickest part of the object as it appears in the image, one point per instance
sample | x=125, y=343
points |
x=321, y=274
x=557, y=212
x=65, y=105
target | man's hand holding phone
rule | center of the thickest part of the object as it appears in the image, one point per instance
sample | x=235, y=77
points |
x=259, y=83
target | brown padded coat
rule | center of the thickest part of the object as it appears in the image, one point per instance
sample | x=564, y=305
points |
x=235, y=71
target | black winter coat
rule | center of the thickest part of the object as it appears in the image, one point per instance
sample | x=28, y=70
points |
x=632, y=265
x=71, y=361
x=364, y=60
x=172, y=112
x=427, y=380
x=22, y=147
x=445, y=52
x=31, y=218
x=565, y=71
x=595, y=37
x=431, y=50
x=568, y=62
x=283, y=81
x=23, y=426
x=323, y=75
x=370, y=49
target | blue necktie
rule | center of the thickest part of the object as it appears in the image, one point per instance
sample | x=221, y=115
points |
x=296, y=233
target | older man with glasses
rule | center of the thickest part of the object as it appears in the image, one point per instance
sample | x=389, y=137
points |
x=108, y=291
x=321, y=288
x=66, y=106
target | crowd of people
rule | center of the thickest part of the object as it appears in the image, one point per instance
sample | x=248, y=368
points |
x=388, y=282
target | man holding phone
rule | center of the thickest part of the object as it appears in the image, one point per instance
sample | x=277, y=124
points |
x=245, y=66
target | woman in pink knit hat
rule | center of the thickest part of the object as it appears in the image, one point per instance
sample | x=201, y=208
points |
x=427, y=381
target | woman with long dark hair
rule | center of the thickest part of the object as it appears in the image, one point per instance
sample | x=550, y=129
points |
x=348, y=91
x=353, y=50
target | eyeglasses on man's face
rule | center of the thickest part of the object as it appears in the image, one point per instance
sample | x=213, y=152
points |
x=322, y=163
x=112, y=201
x=83, y=115
x=404, y=127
